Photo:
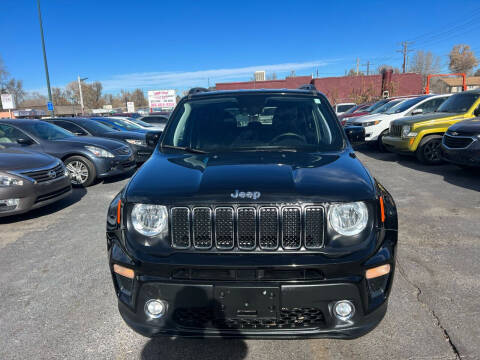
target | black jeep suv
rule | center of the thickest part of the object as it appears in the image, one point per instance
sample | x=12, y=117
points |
x=253, y=218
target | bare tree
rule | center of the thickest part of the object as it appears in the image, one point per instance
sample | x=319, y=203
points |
x=477, y=73
x=272, y=76
x=353, y=72
x=10, y=85
x=425, y=63
x=462, y=59
x=33, y=99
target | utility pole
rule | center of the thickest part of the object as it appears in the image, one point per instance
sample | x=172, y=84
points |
x=368, y=66
x=52, y=112
x=405, y=52
x=358, y=65
x=80, y=91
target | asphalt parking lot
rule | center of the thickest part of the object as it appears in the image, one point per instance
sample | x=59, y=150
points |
x=57, y=299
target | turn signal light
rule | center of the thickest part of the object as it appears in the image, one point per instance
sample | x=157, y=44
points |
x=377, y=271
x=119, y=211
x=382, y=209
x=121, y=270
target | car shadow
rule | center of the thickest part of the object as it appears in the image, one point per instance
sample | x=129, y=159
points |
x=453, y=174
x=76, y=195
x=113, y=179
x=173, y=348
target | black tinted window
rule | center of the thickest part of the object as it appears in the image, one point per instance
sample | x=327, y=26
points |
x=77, y=130
x=458, y=103
x=254, y=122
x=9, y=134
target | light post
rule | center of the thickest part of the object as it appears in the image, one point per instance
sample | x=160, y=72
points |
x=80, y=91
x=52, y=112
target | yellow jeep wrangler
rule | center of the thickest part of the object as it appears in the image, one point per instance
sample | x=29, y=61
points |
x=421, y=135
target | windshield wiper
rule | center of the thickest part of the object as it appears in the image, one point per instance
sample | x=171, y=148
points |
x=184, y=148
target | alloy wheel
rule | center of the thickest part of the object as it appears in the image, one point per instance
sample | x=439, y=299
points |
x=432, y=150
x=78, y=172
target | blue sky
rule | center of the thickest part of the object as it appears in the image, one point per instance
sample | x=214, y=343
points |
x=179, y=44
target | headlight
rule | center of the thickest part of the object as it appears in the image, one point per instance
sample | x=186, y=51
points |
x=405, y=130
x=9, y=181
x=99, y=152
x=136, y=142
x=150, y=220
x=348, y=219
x=371, y=123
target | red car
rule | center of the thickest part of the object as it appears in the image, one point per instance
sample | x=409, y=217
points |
x=358, y=110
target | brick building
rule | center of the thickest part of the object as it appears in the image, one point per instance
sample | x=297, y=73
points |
x=342, y=88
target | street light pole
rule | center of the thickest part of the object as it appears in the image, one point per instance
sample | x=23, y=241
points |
x=80, y=91
x=52, y=112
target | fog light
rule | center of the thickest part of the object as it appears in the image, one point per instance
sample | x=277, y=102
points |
x=344, y=310
x=155, y=308
x=9, y=204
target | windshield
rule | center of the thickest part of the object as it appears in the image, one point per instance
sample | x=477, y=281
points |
x=458, y=103
x=376, y=105
x=96, y=127
x=352, y=109
x=253, y=122
x=140, y=122
x=343, y=108
x=127, y=125
x=404, y=106
x=386, y=106
x=47, y=131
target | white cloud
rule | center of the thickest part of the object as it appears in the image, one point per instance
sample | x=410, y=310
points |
x=187, y=79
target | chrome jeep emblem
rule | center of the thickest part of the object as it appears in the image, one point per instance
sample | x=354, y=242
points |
x=248, y=195
x=52, y=174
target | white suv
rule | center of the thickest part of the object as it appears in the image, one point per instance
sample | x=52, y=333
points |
x=377, y=125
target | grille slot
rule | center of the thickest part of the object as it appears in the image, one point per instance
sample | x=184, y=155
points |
x=395, y=130
x=246, y=228
x=202, y=228
x=268, y=228
x=457, y=142
x=180, y=223
x=224, y=232
x=43, y=175
x=291, y=228
x=314, y=225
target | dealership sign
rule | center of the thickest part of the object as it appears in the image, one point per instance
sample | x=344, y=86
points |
x=130, y=107
x=162, y=99
x=8, y=102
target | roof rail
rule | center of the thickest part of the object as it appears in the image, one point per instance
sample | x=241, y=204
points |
x=309, y=87
x=197, y=90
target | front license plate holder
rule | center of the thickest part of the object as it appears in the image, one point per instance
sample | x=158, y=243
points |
x=246, y=302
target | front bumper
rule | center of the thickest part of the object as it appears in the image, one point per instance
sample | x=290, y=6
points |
x=398, y=145
x=32, y=196
x=292, y=308
x=115, y=166
x=469, y=156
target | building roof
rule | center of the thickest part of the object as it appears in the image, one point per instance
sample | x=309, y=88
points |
x=458, y=81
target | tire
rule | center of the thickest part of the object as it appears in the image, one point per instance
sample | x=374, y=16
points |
x=380, y=145
x=429, y=151
x=82, y=171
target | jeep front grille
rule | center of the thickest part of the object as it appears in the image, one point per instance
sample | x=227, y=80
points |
x=247, y=227
x=395, y=130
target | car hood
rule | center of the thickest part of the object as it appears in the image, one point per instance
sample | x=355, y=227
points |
x=427, y=117
x=12, y=159
x=377, y=117
x=92, y=140
x=466, y=127
x=277, y=176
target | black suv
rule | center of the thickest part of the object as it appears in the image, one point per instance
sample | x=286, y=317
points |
x=255, y=219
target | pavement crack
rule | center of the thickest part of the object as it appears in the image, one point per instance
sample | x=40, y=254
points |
x=430, y=310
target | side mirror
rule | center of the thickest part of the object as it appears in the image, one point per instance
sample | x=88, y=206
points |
x=25, y=141
x=417, y=112
x=152, y=138
x=355, y=134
